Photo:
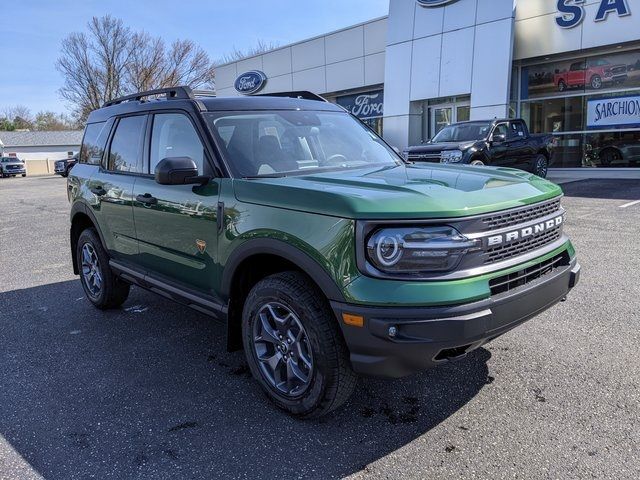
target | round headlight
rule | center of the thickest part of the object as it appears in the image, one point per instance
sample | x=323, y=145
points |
x=388, y=250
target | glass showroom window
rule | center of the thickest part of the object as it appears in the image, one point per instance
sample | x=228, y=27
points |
x=587, y=104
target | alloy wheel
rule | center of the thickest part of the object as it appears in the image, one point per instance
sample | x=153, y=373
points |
x=541, y=167
x=91, y=272
x=281, y=346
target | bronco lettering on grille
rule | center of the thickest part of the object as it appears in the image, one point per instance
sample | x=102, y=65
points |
x=524, y=232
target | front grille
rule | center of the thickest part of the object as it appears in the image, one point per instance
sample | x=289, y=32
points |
x=507, y=219
x=13, y=167
x=522, y=277
x=424, y=157
x=520, y=247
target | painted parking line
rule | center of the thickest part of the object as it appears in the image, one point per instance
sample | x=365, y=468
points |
x=630, y=204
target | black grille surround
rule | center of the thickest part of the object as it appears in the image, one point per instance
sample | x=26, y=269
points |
x=538, y=229
x=512, y=281
x=508, y=219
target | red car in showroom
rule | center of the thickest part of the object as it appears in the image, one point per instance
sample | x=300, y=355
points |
x=592, y=73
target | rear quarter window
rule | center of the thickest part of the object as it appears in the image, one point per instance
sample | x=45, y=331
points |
x=93, y=143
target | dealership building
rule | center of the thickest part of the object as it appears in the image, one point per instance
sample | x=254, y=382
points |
x=568, y=67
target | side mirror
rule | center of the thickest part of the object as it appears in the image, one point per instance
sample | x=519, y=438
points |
x=178, y=171
x=498, y=138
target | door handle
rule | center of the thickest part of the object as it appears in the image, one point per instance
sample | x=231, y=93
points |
x=147, y=199
x=99, y=191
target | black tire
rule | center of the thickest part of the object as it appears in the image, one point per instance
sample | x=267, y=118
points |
x=562, y=86
x=24, y=175
x=112, y=292
x=330, y=379
x=540, y=166
x=596, y=82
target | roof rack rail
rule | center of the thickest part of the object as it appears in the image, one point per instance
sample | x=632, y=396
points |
x=302, y=94
x=181, y=92
x=204, y=93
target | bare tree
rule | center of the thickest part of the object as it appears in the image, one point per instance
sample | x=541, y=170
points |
x=110, y=60
x=17, y=118
x=236, y=54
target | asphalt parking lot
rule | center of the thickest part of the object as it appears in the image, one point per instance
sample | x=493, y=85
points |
x=148, y=391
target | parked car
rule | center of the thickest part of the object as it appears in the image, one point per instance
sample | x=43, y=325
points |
x=616, y=153
x=62, y=167
x=12, y=166
x=322, y=251
x=592, y=73
x=498, y=142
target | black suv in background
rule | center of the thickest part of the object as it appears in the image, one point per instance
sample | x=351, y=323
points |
x=499, y=142
x=62, y=167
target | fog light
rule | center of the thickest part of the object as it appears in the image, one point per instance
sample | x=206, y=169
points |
x=393, y=331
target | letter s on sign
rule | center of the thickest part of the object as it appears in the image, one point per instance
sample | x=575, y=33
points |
x=572, y=13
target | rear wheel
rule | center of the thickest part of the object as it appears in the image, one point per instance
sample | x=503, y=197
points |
x=294, y=347
x=24, y=174
x=101, y=286
x=541, y=166
x=562, y=86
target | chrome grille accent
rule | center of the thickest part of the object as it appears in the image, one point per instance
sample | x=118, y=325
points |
x=520, y=247
x=508, y=219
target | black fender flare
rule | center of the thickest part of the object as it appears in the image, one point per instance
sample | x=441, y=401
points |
x=282, y=249
x=80, y=207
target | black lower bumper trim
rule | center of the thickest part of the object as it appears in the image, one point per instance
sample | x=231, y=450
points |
x=398, y=341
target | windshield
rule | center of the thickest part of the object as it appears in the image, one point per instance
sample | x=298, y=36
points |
x=463, y=132
x=289, y=142
x=10, y=159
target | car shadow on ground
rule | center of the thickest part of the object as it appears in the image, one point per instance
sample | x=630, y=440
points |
x=149, y=391
x=613, y=189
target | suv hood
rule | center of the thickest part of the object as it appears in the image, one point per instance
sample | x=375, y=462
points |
x=438, y=147
x=402, y=192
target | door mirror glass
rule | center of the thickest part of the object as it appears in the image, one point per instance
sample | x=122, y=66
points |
x=178, y=171
x=498, y=138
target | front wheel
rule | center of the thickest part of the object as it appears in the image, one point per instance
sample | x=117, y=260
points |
x=562, y=86
x=24, y=175
x=596, y=82
x=541, y=166
x=101, y=286
x=477, y=163
x=294, y=347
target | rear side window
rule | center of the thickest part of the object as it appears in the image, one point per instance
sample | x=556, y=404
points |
x=125, y=153
x=93, y=143
x=516, y=129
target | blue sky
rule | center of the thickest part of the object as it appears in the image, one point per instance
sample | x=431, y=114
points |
x=32, y=31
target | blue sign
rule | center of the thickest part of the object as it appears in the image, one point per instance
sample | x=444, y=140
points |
x=250, y=82
x=363, y=105
x=572, y=11
x=434, y=3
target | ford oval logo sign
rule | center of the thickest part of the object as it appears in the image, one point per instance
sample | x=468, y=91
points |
x=434, y=3
x=250, y=82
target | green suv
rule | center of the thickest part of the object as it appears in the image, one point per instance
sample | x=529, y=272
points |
x=325, y=254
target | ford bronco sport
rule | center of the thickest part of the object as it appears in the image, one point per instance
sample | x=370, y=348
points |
x=325, y=254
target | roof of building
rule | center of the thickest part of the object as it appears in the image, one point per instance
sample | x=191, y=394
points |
x=40, y=139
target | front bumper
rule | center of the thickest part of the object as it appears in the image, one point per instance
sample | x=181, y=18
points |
x=427, y=336
x=17, y=171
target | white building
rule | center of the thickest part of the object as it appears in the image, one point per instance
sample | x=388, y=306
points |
x=569, y=67
x=40, y=149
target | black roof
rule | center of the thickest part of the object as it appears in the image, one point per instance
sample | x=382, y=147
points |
x=214, y=104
